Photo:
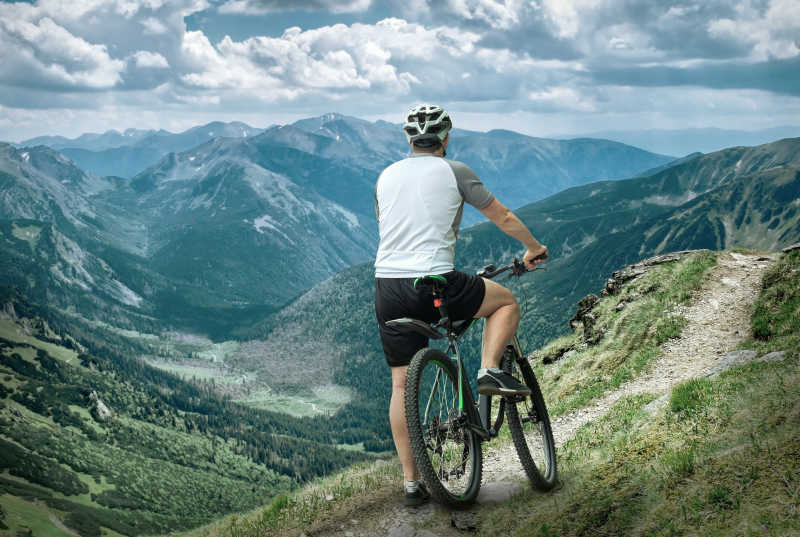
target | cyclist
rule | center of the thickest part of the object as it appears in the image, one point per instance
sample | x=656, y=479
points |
x=418, y=204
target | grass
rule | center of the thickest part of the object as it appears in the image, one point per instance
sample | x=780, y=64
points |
x=720, y=458
x=633, y=335
x=9, y=331
x=330, y=497
x=27, y=353
x=690, y=396
x=717, y=457
x=776, y=318
x=22, y=516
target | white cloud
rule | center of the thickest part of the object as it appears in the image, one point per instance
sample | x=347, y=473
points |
x=775, y=33
x=560, y=98
x=44, y=53
x=145, y=58
x=154, y=26
x=80, y=9
x=564, y=16
x=359, y=57
x=262, y=7
x=498, y=14
x=550, y=57
x=54, y=45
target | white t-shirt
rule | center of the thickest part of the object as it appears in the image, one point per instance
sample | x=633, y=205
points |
x=418, y=203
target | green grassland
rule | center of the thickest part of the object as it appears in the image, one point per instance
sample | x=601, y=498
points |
x=319, y=400
x=200, y=360
x=722, y=458
x=718, y=457
x=23, y=517
x=11, y=331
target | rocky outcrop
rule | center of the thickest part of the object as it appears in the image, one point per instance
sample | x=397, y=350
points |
x=8, y=311
x=585, y=305
x=793, y=247
x=99, y=410
x=623, y=276
x=591, y=333
x=551, y=357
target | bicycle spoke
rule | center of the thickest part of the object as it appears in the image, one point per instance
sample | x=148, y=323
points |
x=530, y=429
x=448, y=452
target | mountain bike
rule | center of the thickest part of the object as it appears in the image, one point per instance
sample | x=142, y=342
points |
x=445, y=424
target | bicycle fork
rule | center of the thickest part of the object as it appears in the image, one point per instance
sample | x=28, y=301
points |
x=512, y=353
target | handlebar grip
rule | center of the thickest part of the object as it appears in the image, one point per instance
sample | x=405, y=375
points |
x=543, y=256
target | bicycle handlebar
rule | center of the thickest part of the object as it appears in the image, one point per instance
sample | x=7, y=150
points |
x=516, y=267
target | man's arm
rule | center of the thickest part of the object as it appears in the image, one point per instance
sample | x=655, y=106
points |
x=507, y=221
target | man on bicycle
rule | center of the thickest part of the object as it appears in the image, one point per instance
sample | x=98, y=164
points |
x=418, y=204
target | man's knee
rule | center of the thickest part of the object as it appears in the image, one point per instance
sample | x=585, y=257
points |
x=496, y=297
x=516, y=312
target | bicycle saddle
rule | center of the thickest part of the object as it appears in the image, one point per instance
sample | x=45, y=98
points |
x=431, y=280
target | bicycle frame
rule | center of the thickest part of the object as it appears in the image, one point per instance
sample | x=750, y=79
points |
x=478, y=415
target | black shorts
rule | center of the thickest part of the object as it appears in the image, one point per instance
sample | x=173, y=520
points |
x=396, y=297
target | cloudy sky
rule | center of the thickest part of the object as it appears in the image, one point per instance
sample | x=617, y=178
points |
x=543, y=67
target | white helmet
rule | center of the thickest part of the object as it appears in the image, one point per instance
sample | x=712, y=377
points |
x=427, y=125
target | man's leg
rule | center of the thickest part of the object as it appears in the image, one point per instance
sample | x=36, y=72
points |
x=502, y=314
x=397, y=418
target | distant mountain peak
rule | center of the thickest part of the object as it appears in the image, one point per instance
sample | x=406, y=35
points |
x=319, y=122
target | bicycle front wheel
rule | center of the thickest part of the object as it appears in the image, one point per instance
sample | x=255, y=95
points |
x=530, y=428
x=447, y=452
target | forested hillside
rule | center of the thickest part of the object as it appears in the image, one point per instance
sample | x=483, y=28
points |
x=168, y=455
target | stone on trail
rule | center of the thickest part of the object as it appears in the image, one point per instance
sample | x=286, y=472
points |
x=498, y=491
x=777, y=356
x=732, y=359
x=463, y=520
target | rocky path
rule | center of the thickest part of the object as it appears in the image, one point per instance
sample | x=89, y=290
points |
x=719, y=319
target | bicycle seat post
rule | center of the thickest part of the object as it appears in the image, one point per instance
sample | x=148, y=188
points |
x=440, y=304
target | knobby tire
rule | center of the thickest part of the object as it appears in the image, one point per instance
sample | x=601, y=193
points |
x=530, y=428
x=448, y=454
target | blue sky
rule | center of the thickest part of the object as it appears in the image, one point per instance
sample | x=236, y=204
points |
x=543, y=67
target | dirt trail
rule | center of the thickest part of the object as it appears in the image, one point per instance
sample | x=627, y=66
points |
x=719, y=319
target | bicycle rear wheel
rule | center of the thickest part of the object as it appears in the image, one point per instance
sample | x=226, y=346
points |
x=447, y=452
x=530, y=427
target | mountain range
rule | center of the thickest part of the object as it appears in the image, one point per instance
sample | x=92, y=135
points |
x=126, y=153
x=234, y=227
x=704, y=140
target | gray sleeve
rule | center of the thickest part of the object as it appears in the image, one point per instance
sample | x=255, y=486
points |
x=470, y=187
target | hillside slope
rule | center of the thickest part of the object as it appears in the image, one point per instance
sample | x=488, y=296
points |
x=664, y=451
x=97, y=441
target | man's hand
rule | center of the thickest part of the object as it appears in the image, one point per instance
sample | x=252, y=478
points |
x=530, y=256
